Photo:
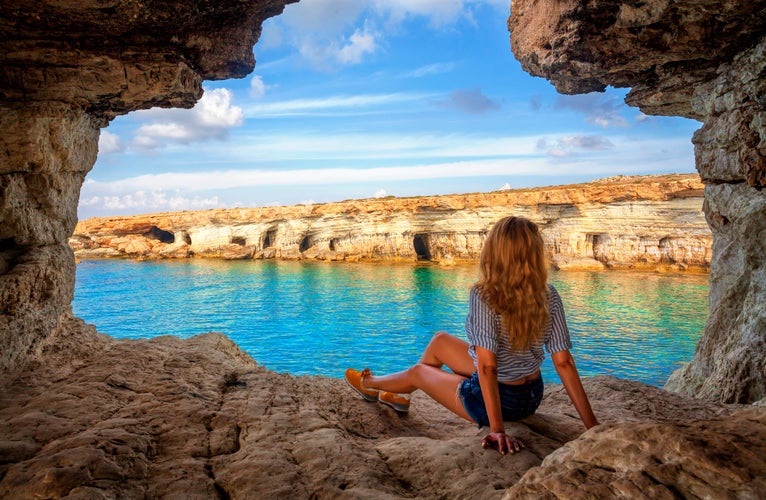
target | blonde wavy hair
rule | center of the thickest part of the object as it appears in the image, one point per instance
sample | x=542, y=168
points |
x=514, y=277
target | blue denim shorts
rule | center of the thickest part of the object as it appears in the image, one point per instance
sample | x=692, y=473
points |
x=516, y=401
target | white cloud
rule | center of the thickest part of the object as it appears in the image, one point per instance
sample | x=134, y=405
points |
x=380, y=193
x=327, y=33
x=311, y=106
x=558, y=152
x=175, y=131
x=503, y=158
x=257, y=87
x=211, y=118
x=190, y=182
x=306, y=146
x=109, y=143
x=360, y=43
x=568, y=145
x=505, y=187
x=327, y=54
x=155, y=200
x=599, y=108
x=215, y=110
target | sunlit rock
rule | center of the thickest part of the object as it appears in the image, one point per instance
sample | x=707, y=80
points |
x=652, y=222
x=106, y=418
x=69, y=67
x=85, y=416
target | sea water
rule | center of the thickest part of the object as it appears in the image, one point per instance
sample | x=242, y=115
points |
x=320, y=318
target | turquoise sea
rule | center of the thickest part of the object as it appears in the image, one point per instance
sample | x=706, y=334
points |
x=320, y=318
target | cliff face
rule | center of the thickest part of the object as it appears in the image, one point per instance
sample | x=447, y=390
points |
x=624, y=222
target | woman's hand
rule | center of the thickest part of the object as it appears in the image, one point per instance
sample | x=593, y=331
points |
x=502, y=442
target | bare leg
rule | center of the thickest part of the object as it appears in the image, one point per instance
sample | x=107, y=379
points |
x=445, y=349
x=427, y=375
x=437, y=383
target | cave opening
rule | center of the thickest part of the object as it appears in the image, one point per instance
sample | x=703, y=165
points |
x=270, y=238
x=420, y=243
x=600, y=243
x=160, y=234
x=333, y=244
x=238, y=240
x=306, y=243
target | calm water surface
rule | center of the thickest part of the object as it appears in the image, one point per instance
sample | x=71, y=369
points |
x=320, y=318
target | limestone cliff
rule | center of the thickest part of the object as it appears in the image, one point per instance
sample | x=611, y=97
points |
x=653, y=222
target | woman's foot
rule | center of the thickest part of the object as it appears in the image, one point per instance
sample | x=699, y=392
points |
x=399, y=402
x=356, y=378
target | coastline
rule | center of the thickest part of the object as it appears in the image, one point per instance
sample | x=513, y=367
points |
x=652, y=223
x=576, y=267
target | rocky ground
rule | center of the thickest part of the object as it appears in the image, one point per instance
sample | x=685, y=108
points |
x=96, y=417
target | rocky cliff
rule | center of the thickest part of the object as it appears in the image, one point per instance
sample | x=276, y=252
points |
x=85, y=416
x=653, y=222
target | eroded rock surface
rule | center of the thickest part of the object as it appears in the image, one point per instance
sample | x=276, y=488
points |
x=106, y=418
x=68, y=67
x=703, y=60
x=650, y=222
x=92, y=417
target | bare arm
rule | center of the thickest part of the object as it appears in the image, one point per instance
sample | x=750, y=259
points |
x=565, y=367
x=487, y=369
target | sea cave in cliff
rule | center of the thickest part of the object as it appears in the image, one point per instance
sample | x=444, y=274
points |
x=88, y=416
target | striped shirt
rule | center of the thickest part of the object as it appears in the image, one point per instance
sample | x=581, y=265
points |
x=484, y=329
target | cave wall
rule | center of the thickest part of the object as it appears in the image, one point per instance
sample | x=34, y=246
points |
x=704, y=60
x=66, y=69
x=48, y=150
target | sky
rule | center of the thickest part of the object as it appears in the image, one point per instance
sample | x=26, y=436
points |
x=371, y=98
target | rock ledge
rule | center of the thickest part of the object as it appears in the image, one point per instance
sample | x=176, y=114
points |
x=97, y=417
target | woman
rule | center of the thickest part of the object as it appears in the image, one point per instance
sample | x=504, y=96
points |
x=495, y=376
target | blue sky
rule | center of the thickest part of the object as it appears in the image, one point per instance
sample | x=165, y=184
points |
x=372, y=98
